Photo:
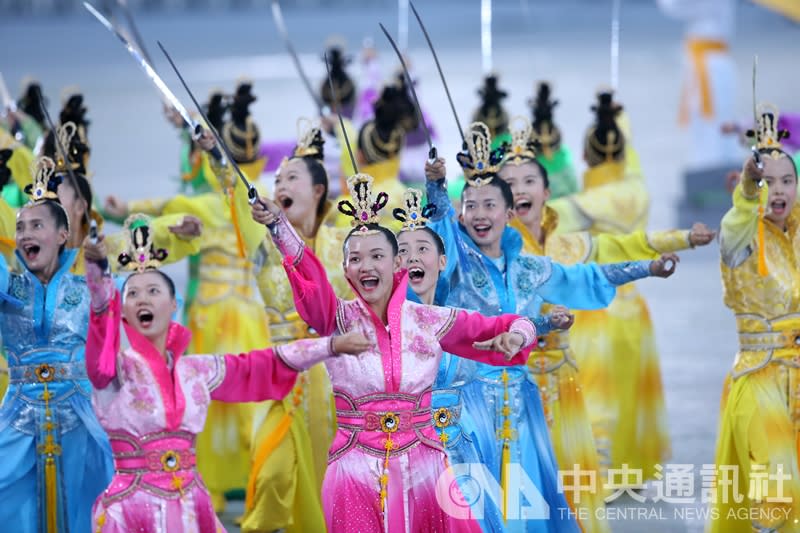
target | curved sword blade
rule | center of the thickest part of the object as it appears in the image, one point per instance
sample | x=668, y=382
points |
x=441, y=74
x=277, y=15
x=339, y=113
x=148, y=70
x=123, y=4
x=432, y=152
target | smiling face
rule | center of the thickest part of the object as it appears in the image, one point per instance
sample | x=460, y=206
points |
x=781, y=178
x=296, y=193
x=484, y=214
x=369, y=265
x=148, y=305
x=529, y=188
x=39, y=238
x=420, y=255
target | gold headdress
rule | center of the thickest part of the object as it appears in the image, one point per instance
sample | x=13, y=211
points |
x=767, y=135
x=45, y=181
x=367, y=206
x=308, y=139
x=141, y=254
x=604, y=140
x=522, y=148
x=480, y=163
x=414, y=216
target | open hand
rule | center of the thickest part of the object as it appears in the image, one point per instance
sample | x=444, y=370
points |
x=265, y=215
x=436, y=170
x=95, y=252
x=700, y=234
x=116, y=207
x=189, y=227
x=352, y=343
x=664, y=266
x=561, y=318
x=508, y=344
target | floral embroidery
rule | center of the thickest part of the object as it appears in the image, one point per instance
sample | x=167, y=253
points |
x=142, y=400
x=195, y=366
x=479, y=279
x=421, y=348
x=72, y=298
x=529, y=263
x=426, y=316
x=199, y=394
x=524, y=285
x=17, y=288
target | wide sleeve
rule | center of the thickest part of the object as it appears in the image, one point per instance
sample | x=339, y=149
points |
x=314, y=297
x=253, y=233
x=5, y=282
x=103, y=338
x=639, y=245
x=740, y=224
x=443, y=222
x=150, y=206
x=255, y=376
x=178, y=247
x=465, y=328
x=20, y=166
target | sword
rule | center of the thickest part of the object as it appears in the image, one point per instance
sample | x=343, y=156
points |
x=65, y=156
x=339, y=113
x=756, y=155
x=441, y=74
x=148, y=70
x=615, y=9
x=252, y=193
x=281, y=25
x=432, y=148
x=123, y=4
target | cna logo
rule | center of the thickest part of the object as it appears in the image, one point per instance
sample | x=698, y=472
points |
x=470, y=491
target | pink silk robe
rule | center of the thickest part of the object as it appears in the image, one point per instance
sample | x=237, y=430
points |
x=152, y=414
x=383, y=396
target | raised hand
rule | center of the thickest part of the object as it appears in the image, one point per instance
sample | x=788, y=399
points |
x=116, y=207
x=700, y=234
x=189, y=227
x=352, y=343
x=508, y=344
x=95, y=252
x=664, y=266
x=561, y=318
x=436, y=170
x=265, y=215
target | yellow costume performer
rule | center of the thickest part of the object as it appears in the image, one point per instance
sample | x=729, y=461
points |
x=292, y=436
x=759, y=431
x=552, y=363
x=615, y=347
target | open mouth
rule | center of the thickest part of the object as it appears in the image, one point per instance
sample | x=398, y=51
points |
x=369, y=282
x=482, y=230
x=145, y=317
x=286, y=202
x=523, y=207
x=415, y=274
x=31, y=251
x=778, y=207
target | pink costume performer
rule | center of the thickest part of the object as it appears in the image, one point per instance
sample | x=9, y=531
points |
x=386, y=460
x=152, y=413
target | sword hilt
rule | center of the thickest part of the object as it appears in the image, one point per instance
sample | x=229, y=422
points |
x=432, y=155
x=757, y=158
x=93, y=231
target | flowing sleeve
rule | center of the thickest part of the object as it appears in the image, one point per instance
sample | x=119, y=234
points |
x=253, y=233
x=178, y=247
x=639, y=245
x=5, y=282
x=314, y=296
x=20, y=166
x=739, y=226
x=464, y=328
x=255, y=376
x=444, y=224
x=102, y=341
x=150, y=206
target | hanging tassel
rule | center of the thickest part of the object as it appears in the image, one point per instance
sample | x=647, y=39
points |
x=101, y=521
x=388, y=446
x=762, y=245
x=300, y=286
x=505, y=456
x=51, y=494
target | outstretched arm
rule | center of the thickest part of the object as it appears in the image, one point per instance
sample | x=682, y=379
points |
x=103, y=338
x=474, y=336
x=739, y=226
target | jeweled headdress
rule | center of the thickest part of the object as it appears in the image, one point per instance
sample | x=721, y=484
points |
x=480, y=163
x=141, y=254
x=413, y=216
x=367, y=206
x=767, y=135
x=309, y=139
x=45, y=181
x=522, y=148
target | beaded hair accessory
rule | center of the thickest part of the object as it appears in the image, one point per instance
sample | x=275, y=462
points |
x=413, y=216
x=141, y=254
x=767, y=135
x=480, y=163
x=366, y=208
x=45, y=181
x=522, y=148
x=66, y=133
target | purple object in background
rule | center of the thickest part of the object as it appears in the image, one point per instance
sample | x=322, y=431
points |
x=791, y=123
x=275, y=151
